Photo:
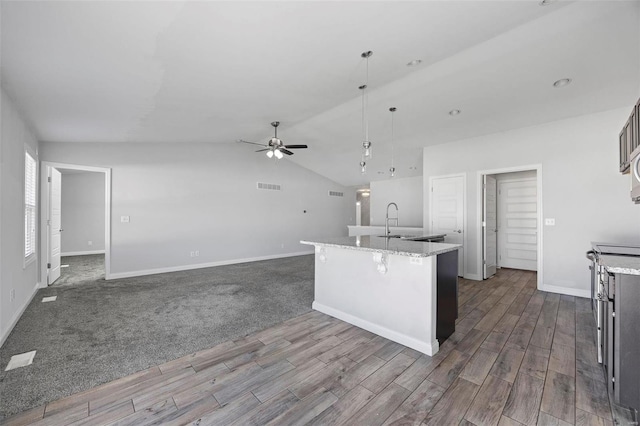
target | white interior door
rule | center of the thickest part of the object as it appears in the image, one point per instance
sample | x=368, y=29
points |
x=447, y=212
x=54, y=223
x=490, y=226
x=518, y=224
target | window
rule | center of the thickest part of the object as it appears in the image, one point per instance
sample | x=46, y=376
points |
x=29, y=207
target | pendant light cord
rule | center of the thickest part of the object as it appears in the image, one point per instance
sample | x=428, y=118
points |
x=364, y=130
x=366, y=102
x=393, y=111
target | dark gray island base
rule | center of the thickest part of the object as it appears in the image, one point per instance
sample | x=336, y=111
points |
x=447, y=306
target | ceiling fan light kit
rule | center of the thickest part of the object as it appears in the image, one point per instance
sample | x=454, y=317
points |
x=275, y=147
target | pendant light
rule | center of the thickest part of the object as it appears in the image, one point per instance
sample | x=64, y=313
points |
x=392, y=169
x=363, y=164
x=366, y=143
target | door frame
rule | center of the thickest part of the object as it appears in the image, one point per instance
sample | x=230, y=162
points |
x=463, y=175
x=44, y=214
x=480, y=205
x=484, y=225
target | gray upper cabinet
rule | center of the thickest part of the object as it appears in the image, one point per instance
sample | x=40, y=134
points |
x=629, y=139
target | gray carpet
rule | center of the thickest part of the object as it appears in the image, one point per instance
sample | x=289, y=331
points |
x=102, y=330
x=81, y=270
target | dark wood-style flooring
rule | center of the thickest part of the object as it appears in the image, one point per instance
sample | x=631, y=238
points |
x=518, y=357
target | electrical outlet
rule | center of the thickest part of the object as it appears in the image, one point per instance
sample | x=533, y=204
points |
x=550, y=221
x=415, y=261
x=125, y=219
x=89, y=243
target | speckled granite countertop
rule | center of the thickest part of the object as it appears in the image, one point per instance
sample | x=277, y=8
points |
x=379, y=244
x=629, y=265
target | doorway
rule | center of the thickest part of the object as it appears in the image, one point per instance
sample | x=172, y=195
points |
x=510, y=223
x=54, y=241
x=363, y=209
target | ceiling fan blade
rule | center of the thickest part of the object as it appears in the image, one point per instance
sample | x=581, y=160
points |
x=295, y=146
x=262, y=150
x=252, y=143
x=286, y=151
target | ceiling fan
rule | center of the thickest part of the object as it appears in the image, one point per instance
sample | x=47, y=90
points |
x=275, y=147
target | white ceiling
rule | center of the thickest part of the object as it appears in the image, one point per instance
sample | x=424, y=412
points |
x=215, y=72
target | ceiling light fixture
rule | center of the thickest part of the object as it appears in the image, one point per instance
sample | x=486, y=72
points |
x=454, y=112
x=366, y=143
x=392, y=169
x=414, y=63
x=278, y=154
x=270, y=153
x=562, y=82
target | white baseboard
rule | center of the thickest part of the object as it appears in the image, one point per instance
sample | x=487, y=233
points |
x=566, y=290
x=474, y=277
x=403, y=339
x=81, y=253
x=140, y=273
x=17, y=316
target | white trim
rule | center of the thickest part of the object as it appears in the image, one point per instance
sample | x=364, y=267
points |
x=474, y=277
x=82, y=253
x=154, y=271
x=44, y=206
x=403, y=339
x=17, y=315
x=464, y=214
x=579, y=292
x=479, y=205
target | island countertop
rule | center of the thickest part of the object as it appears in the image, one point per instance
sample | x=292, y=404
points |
x=381, y=244
x=629, y=265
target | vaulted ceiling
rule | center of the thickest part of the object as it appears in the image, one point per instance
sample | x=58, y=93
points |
x=215, y=72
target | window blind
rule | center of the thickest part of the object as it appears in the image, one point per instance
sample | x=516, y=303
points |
x=29, y=206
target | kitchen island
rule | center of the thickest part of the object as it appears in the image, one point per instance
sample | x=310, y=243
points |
x=405, y=291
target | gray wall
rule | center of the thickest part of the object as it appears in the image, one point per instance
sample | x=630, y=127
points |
x=14, y=275
x=581, y=188
x=406, y=193
x=187, y=197
x=82, y=212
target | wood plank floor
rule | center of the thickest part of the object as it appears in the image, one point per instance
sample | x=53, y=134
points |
x=518, y=357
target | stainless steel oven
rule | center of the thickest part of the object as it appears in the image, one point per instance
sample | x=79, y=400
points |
x=635, y=176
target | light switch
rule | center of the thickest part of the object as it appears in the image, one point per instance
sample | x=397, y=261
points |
x=124, y=219
x=550, y=221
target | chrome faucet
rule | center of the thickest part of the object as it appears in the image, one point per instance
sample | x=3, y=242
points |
x=386, y=222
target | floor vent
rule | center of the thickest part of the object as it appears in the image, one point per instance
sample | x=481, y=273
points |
x=336, y=194
x=269, y=186
x=49, y=299
x=21, y=360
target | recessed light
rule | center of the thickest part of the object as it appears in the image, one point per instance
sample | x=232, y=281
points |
x=380, y=173
x=545, y=2
x=414, y=63
x=562, y=82
x=413, y=168
x=454, y=112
